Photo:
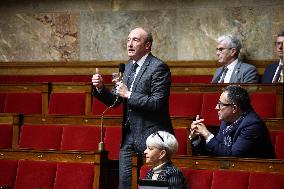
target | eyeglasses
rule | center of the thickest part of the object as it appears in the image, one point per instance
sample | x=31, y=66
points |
x=221, y=104
x=221, y=49
x=157, y=133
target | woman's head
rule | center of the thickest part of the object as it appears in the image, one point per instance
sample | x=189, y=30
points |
x=161, y=145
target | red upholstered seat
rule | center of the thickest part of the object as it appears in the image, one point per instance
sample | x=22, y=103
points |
x=35, y=174
x=264, y=104
x=279, y=145
x=8, y=172
x=67, y=103
x=98, y=108
x=2, y=102
x=185, y=104
x=6, y=135
x=85, y=138
x=40, y=137
x=266, y=180
x=53, y=78
x=112, y=141
x=74, y=175
x=208, y=111
x=230, y=179
x=25, y=103
x=201, y=179
x=182, y=138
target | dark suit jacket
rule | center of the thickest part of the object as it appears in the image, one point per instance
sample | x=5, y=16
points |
x=242, y=73
x=269, y=73
x=148, y=105
x=250, y=139
x=171, y=174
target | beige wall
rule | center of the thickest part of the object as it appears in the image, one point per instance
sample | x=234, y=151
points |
x=87, y=30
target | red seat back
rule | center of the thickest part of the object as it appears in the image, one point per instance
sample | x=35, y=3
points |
x=201, y=78
x=279, y=145
x=6, y=136
x=53, y=78
x=201, y=179
x=98, y=108
x=25, y=103
x=74, y=175
x=112, y=141
x=40, y=137
x=82, y=78
x=181, y=79
x=208, y=111
x=35, y=174
x=266, y=180
x=144, y=170
x=67, y=103
x=230, y=179
x=8, y=172
x=182, y=138
x=2, y=102
x=85, y=138
x=185, y=104
x=264, y=104
x=16, y=79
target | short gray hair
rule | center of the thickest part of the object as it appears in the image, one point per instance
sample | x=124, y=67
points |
x=163, y=140
x=231, y=41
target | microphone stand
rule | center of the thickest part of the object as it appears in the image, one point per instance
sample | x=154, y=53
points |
x=282, y=61
x=101, y=145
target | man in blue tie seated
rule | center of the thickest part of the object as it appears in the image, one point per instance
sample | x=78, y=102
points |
x=274, y=72
x=242, y=133
x=232, y=69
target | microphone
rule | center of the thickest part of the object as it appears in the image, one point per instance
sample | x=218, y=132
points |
x=101, y=146
x=121, y=68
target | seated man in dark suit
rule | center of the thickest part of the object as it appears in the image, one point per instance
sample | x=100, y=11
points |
x=274, y=72
x=232, y=69
x=242, y=133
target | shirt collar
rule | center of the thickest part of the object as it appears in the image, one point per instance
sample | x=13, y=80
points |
x=232, y=65
x=141, y=60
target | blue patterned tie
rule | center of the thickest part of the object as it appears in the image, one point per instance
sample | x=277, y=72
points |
x=131, y=75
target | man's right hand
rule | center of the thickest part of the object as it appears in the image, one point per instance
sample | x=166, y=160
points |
x=97, y=80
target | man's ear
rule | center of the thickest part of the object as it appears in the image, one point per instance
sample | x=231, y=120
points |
x=163, y=154
x=234, y=51
x=148, y=45
x=235, y=108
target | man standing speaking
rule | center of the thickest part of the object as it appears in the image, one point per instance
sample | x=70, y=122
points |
x=144, y=92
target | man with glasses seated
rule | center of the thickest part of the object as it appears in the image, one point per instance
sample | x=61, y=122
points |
x=242, y=133
x=232, y=69
x=274, y=72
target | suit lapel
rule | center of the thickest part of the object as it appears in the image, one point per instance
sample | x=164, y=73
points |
x=236, y=71
x=217, y=75
x=127, y=72
x=141, y=71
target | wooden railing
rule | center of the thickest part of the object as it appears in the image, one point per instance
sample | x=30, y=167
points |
x=107, y=67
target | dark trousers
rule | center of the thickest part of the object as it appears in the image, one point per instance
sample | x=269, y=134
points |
x=125, y=161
